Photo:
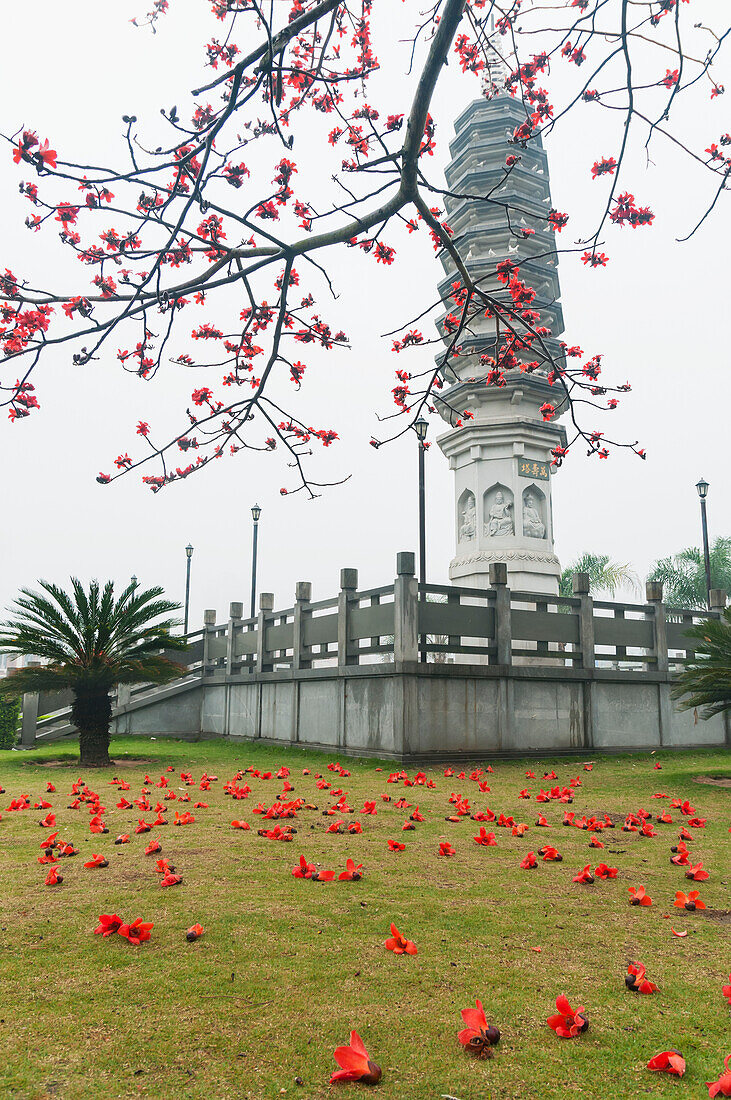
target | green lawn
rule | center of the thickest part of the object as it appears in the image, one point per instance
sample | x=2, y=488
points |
x=287, y=966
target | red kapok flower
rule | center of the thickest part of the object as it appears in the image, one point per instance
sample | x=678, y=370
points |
x=568, y=1024
x=138, y=932
x=690, y=901
x=399, y=944
x=478, y=1036
x=726, y=990
x=529, y=862
x=194, y=932
x=721, y=1087
x=355, y=1063
x=636, y=981
x=669, y=1061
x=639, y=895
x=109, y=923
x=53, y=878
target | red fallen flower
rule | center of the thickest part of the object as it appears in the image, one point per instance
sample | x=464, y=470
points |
x=594, y=843
x=142, y=826
x=602, y=871
x=53, y=878
x=478, y=1036
x=97, y=861
x=399, y=944
x=446, y=849
x=240, y=825
x=123, y=804
x=542, y=822
x=47, y=858
x=353, y=872
x=138, y=932
x=519, y=830
x=636, y=981
x=355, y=827
x=584, y=877
x=696, y=872
x=48, y=821
x=50, y=788
x=568, y=1024
x=550, y=854
x=171, y=880
x=67, y=849
x=153, y=846
x=194, y=932
x=109, y=923
x=416, y=815
x=49, y=841
x=726, y=990
x=721, y=1087
x=485, y=838
x=529, y=862
x=322, y=876
x=355, y=1063
x=163, y=867
x=396, y=846
x=669, y=1061
x=304, y=869
x=639, y=895
x=690, y=901
x=123, y=838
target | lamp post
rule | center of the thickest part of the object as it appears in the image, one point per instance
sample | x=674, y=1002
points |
x=133, y=579
x=702, y=487
x=255, y=514
x=421, y=427
x=188, y=555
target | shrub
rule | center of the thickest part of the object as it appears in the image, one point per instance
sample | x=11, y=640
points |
x=9, y=712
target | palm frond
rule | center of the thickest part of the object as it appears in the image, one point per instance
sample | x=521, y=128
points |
x=706, y=680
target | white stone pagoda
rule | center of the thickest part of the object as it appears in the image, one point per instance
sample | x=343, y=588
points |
x=501, y=458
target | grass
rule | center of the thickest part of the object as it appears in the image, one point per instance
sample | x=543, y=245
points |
x=287, y=967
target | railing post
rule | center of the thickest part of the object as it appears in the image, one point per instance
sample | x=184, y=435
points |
x=503, y=628
x=29, y=720
x=301, y=653
x=581, y=585
x=405, y=610
x=263, y=659
x=209, y=625
x=236, y=614
x=348, y=587
x=653, y=592
x=718, y=600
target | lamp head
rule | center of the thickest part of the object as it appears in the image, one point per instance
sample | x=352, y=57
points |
x=421, y=427
x=255, y=513
x=702, y=487
x=189, y=551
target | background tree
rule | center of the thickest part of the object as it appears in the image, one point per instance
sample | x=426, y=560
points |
x=706, y=681
x=606, y=575
x=684, y=574
x=183, y=220
x=90, y=643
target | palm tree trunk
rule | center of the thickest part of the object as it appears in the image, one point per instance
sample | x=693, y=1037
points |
x=91, y=713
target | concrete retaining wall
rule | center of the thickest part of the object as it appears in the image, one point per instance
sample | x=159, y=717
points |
x=412, y=710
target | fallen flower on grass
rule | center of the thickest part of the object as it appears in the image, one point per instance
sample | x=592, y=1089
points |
x=109, y=923
x=53, y=878
x=602, y=871
x=721, y=1087
x=529, y=862
x=123, y=838
x=726, y=990
x=636, y=981
x=138, y=932
x=153, y=846
x=585, y=877
x=97, y=861
x=478, y=1036
x=355, y=1063
x=446, y=849
x=690, y=901
x=353, y=872
x=171, y=880
x=194, y=932
x=240, y=825
x=680, y=935
x=697, y=873
x=399, y=944
x=669, y=1061
x=568, y=1024
x=396, y=846
x=639, y=896
x=485, y=838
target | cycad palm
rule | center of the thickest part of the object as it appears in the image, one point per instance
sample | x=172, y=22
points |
x=90, y=643
x=605, y=575
x=707, y=680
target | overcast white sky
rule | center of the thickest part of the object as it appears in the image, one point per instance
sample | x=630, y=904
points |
x=658, y=313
